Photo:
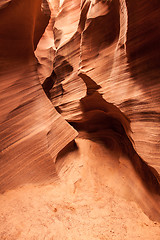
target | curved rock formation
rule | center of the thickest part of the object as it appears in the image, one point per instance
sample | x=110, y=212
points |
x=79, y=114
x=30, y=126
x=95, y=46
x=106, y=46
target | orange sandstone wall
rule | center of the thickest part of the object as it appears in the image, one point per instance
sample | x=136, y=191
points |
x=87, y=53
x=113, y=47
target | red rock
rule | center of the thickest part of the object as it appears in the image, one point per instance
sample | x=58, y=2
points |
x=89, y=68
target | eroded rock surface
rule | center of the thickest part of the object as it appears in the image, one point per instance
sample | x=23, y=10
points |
x=116, y=45
x=29, y=124
x=102, y=44
x=87, y=68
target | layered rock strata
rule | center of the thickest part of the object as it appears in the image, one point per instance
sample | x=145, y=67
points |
x=115, y=44
x=96, y=72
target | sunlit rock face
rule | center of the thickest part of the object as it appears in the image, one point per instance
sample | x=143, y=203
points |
x=29, y=124
x=115, y=44
x=4, y=3
x=104, y=53
x=88, y=68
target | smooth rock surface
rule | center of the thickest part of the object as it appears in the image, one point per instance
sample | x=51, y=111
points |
x=79, y=119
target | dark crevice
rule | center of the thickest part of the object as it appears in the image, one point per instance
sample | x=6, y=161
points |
x=104, y=122
x=91, y=85
x=83, y=16
x=48, y=84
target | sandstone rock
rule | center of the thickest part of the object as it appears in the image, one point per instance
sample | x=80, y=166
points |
x=29, y=124
x=116, y=45
x=88, y=68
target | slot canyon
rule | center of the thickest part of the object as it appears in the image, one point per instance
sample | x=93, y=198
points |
x=79, y=119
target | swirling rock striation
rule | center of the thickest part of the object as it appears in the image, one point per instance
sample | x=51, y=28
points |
x=31, y=131
x=116, y=45
x=88, y=67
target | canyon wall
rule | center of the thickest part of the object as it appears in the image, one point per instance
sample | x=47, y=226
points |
x=113, y=47
x=92, y=66
x=29, y=124
x=79, y=119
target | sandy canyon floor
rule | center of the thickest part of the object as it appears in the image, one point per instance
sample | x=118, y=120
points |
x=91, y=200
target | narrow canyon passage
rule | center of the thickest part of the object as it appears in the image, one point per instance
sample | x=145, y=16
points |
x=79, y=120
